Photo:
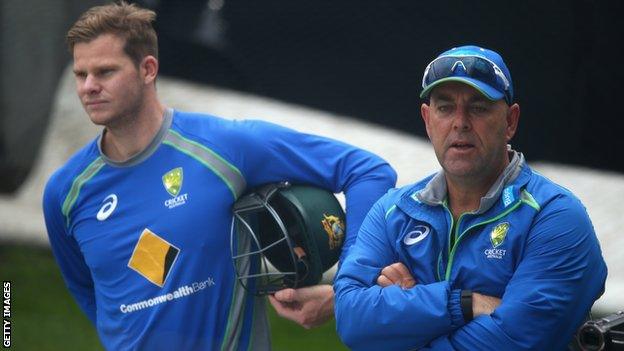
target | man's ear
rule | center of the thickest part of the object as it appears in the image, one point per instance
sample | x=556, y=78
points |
x=513, y=117
x=149, y=69
x=425, y=111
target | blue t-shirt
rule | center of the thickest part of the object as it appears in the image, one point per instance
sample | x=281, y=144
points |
x=143, y=245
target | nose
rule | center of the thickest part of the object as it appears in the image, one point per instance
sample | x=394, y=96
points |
x=90, y=85
x=461, y=120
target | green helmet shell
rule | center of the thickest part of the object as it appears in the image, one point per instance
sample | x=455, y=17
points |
x=298, y=229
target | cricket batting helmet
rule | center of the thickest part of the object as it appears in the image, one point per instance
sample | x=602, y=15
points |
x=285, y=236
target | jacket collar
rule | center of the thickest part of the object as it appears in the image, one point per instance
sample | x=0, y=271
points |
x=508, y=184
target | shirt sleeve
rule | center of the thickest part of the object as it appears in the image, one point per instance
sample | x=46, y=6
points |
x=560, y=276
x=270, y=153
x=369, y=317
x=67, y=253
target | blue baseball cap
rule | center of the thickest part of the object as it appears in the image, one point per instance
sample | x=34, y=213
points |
x=482, y=69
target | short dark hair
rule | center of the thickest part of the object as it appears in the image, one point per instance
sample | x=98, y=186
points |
x=128, y=21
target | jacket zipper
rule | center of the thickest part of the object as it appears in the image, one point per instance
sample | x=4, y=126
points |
x=458, y=239
x=450, y=232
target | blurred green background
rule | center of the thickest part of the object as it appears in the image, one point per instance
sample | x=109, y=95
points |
x=52, y=321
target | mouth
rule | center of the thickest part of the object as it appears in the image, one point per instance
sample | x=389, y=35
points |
x=95, y=103
x=461, y=145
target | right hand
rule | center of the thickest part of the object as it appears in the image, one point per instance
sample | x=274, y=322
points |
x=396, y=274
x=309, y=306
x=484, y=304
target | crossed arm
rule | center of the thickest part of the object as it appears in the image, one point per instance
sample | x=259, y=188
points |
x=313, y=306
x=555, y=283
x=398, y=274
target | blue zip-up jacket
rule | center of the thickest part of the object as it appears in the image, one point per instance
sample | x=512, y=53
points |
x=531, y=243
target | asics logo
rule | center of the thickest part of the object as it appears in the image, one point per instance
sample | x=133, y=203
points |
x=419, y=233
x=110, y=203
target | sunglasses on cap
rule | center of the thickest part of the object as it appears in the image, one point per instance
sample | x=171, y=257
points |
x=475, y=67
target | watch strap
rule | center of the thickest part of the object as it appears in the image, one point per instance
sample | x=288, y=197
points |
x=466, y=305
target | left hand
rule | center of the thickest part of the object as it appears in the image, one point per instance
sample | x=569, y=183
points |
x=309, y=307
x=396, y=274
x=484, y=304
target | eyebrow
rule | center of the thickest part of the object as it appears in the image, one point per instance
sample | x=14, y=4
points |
x=103, y=67
x=480, y=98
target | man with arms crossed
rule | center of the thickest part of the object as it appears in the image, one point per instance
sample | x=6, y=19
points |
x=484, y=255
x=139, y=219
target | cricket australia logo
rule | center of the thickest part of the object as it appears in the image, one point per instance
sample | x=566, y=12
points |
x=172, y=181
x=497, y=237
x=335, y=229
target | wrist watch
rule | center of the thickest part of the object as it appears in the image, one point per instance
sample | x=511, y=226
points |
x=466, y=305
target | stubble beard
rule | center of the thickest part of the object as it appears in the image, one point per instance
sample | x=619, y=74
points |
x=126, y=115
x=475, y=169
x=462, y=168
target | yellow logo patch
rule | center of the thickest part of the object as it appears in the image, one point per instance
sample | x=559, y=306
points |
x=335, y=229
x=172, y=181
x=498, y=234
x=153, y=257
